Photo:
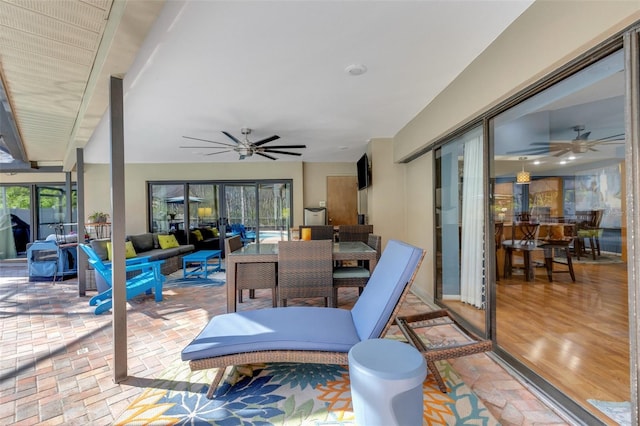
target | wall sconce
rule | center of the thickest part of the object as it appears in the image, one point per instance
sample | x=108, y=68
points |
x=523, y=178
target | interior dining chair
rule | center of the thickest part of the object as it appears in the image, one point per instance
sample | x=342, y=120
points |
x=305, y=269
x=588, y=228
x=252, y=276
x=355, y=276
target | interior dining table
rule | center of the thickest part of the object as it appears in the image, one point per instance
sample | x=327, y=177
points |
x=268, y=252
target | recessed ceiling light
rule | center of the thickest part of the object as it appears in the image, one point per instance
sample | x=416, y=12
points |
x=356, y=69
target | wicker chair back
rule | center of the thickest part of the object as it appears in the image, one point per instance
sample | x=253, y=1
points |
x=305, y=269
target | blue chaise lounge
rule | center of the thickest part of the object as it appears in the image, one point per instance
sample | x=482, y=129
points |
x=307, y=334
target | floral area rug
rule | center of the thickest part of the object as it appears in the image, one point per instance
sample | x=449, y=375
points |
x=284, y=394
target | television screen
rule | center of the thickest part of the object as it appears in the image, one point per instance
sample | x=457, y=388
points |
x=364, y=179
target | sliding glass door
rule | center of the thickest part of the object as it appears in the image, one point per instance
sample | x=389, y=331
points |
x=255, y=210
x=461, y=284
x=561, y=301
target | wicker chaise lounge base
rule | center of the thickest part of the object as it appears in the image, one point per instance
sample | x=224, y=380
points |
x=441, y=351
x=304, y=334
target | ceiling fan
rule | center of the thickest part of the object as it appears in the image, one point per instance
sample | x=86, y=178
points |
x=580, y=145
x=246, y=148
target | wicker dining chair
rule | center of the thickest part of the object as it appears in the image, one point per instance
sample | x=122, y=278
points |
x=305, y=269
x=319, y=232
x=252, y=276
x=355, y=276
x=354, y=232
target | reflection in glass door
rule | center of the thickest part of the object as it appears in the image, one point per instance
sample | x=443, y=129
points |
x=558, y=166
x=52, y=212
x=15, y=212
x=259, y=212
x=460, y=268
x=275, y=212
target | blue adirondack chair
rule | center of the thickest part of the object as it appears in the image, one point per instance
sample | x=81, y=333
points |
x=149, y=279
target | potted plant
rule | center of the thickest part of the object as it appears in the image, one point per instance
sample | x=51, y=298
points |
x=99, y=217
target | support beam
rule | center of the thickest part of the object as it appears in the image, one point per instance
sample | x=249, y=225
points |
x=119, y=307
x=80, y=255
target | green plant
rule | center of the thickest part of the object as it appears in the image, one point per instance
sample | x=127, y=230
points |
x=99, y=217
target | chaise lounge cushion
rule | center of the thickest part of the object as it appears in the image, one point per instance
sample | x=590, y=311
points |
x=291, y=328
x=306, y=328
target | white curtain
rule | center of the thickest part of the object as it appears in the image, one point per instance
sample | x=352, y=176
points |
x=472, y=266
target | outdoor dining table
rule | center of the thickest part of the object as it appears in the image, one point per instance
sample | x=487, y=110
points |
x=268, y=252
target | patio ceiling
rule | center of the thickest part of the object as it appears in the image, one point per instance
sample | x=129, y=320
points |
x=197, y=68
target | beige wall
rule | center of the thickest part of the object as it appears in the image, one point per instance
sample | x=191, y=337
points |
x=386, y=196
x=546, y=36
x=97, y=182
x=315, y=180
x=419, y=221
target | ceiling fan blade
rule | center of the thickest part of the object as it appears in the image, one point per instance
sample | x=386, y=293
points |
x=219, y=152
x=285, y=146
x=275, y=151
x=204, y=140
x=532, y=151
x=204, y=147
x=233, y=138
x=612, y=138
x=266, y=140
x=266, y=155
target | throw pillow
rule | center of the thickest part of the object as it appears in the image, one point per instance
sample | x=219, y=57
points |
x=128, y=253
x=167, y=241
x=216, y=234
x=141, y=242
x=100, y=247
x=197, y=234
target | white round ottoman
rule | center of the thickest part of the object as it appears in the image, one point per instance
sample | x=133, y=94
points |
x=386, y=383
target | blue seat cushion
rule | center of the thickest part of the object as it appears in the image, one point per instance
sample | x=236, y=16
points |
x=290, y=328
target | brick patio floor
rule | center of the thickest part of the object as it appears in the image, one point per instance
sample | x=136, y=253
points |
x=57, y=360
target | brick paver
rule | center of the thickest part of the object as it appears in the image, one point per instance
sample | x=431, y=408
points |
x=57, y=355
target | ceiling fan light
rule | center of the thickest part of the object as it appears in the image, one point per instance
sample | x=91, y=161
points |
x=244, y=151
x=523, y=178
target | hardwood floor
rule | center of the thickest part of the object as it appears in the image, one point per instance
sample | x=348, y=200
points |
x=573, y=334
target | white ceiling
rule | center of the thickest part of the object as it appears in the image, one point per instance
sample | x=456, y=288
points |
x=277, y=67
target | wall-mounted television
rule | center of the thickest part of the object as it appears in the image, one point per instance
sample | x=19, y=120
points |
x=364, y=174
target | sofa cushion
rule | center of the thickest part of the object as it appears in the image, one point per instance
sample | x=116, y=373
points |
x=100, y=247
x=163, y=254
x=168, y=241
x=142, y=242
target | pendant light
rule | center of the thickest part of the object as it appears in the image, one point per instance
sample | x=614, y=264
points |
x=523, y=178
